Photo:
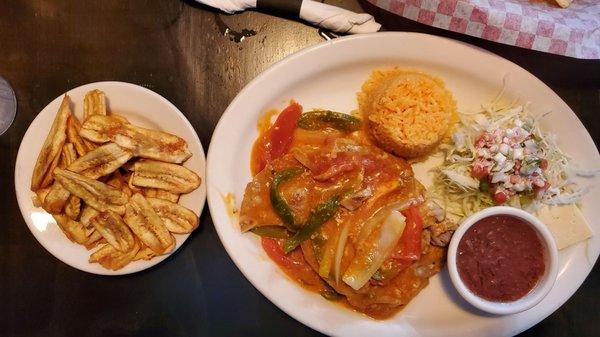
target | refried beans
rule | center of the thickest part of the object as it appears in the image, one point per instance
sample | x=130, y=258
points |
x=500, y=258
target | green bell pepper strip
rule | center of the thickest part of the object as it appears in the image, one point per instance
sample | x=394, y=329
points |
x=279, y=204
x=330, y=294
x=317, y=119
x=276, y=232
x=318, y=216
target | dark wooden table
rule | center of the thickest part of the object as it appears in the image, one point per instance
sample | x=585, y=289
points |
x=178, y=49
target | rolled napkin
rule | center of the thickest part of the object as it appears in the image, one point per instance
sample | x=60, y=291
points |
x=319, y=14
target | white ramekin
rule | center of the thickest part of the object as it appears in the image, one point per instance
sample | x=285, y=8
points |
x=537, y=293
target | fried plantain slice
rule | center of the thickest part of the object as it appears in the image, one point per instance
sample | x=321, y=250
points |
x=171, y=247
x=134, y=189
x=127, y=190
x=176, y=218
x=58, y=196
x=145, y=253
x=166, y=176
x=72, y=229
x=564, y=3
x=82, y=146
x=69, y=155
x=56, y=199
x=143, y=142
x=73, y=207
x=147, y=225
x=166, y=195
x=116, y=180
x=39, y=197
x=95, y=193
x=128, y=166
x=52, y=145
x=49, y=176
x=120, y=117
x=87, y=214
x=161, y=194
x=102, y=161
x=112, y=227
x=149, y=192
x=94, y=239
x=113, y=259
x=94, y=103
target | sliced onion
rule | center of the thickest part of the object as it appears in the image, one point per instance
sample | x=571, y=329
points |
x=372, y=253
x=377, y=218
x=339, y=250
x=328, y=255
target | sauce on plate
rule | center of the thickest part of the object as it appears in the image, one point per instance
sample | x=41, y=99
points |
x=500, y=258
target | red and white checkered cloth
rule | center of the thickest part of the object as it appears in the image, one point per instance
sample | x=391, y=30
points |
x=532, y=24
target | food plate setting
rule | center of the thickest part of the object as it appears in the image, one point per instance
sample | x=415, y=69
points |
x=98, y=172
x=360, y=180
x=339, y=176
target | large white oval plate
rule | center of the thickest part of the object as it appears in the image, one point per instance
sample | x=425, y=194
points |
x=142, y=107
x=328, y=76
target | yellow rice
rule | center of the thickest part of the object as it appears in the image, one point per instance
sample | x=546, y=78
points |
x=408, y=112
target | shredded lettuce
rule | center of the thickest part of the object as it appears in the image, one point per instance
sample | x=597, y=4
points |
x=453, y=185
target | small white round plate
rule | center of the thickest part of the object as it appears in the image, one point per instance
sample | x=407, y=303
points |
x=141, y=107
x=328, y=76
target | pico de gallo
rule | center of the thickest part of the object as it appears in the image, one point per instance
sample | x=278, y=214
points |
x=500, y=155
x=507, y=162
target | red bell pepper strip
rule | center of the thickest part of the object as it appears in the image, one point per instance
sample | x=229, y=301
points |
x=292, y=263
x=409, y=247
x=275, y=252
x=278, y=138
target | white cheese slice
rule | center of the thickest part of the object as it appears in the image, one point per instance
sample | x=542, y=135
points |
x=567, y=224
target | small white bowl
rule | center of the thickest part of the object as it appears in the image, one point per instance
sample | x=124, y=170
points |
x=537, y=293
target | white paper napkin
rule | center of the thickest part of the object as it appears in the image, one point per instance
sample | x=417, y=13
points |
x=326, y=16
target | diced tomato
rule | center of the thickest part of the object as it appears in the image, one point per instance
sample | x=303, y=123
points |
x=500, y=197
x=479, y=170
x=544, y=164
x=483, y=140
x=539, y=190
x=480, y=141
x=409, y=247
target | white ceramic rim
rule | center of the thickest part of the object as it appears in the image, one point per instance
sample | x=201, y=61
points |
x=21, y=200
x=536, y=294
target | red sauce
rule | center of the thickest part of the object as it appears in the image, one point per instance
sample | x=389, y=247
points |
x=500, y=258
